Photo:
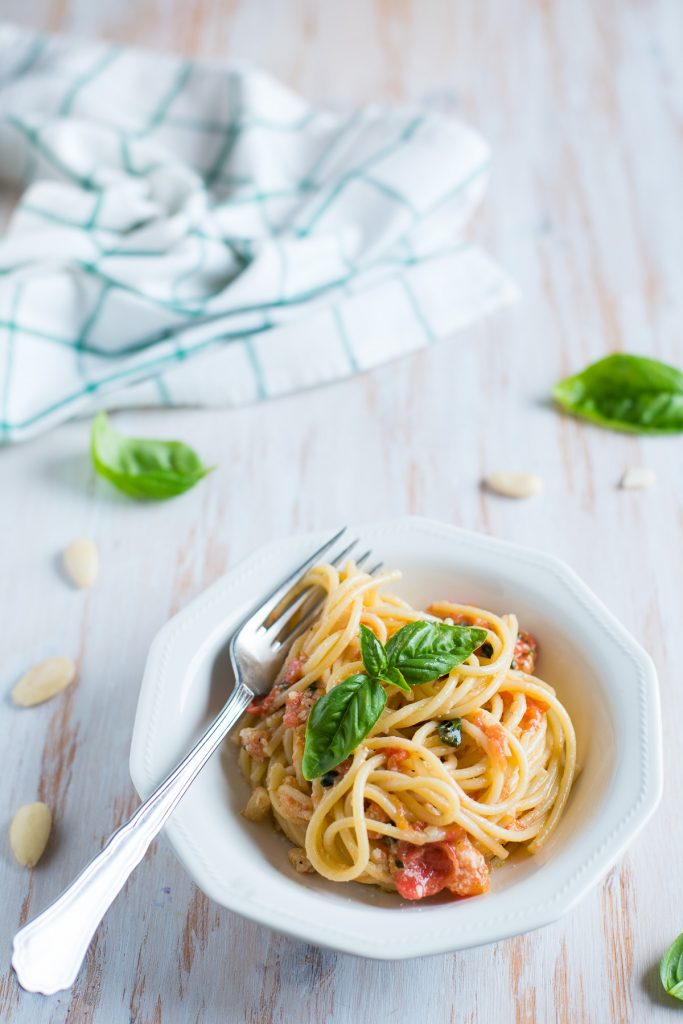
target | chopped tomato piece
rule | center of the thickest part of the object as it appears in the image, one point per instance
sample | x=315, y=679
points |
x=395, y=757
x=298, y=707
x=525, y=653
x=426, y=870
x=471, y=872
x=507, y=698
x=496, y=735
x=263, y=705
x=532, y=719
x=293, y=671
x=533, y=716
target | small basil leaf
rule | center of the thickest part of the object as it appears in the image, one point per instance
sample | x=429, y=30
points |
x=626, y=392
x=450, y=732
x=339, y=721
x=144, y=468
x=394, y=676
x=424, y=651
x=671, y=969
x=372, y=652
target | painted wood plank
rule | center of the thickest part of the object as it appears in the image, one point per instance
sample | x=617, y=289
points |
x=582, y=103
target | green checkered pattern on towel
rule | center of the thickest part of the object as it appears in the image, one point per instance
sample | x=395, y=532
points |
x=194, y=234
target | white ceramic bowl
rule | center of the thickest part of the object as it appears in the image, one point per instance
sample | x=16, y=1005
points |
x=605, y=679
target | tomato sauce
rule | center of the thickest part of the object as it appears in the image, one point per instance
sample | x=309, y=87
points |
x=525, y=653
x=263, y=704
x=454, y=864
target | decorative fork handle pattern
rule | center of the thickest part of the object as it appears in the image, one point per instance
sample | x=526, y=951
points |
x=49, y=951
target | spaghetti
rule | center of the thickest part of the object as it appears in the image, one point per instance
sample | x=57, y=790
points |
x=454, y=774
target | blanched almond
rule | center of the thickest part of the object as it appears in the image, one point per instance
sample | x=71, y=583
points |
x=44, y=680
x=513, y=484
x=81, y=561
x=29, y=833
x=638, y=478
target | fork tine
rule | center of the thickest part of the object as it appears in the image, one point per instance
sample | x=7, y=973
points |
x=275, y=597
x=286, y=637
x=375, y=568
x=300, y=603
x=301, y=597
x=342, y=554
x=305, y=614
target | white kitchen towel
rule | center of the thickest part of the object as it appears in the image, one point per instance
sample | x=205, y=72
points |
x=197, y=234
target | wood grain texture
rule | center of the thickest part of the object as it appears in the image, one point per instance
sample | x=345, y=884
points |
x=583, y=104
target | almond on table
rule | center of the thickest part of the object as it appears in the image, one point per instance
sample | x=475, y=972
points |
x=43, y=681
x=638, y=478
x=514, y=484
x=81, y=562
x=29, y=833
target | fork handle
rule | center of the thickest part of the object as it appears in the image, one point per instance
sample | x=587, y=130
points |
x=48, y=951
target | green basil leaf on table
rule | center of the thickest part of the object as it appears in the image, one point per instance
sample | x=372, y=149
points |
x=144, y=468
x=339, y=721
x=626, y=392
x=424, y=651
x=671, y=969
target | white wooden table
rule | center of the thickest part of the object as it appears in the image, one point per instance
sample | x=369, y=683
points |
x=583, y=104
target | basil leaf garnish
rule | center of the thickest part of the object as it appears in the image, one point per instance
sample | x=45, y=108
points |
x=143, y=468
x=626, y=392
x=424, y=651
x=372, y=652
x=375, y=660
x=450, y=732
x=394, y=676
x=339, y=721
x=418, y=653
x=671, y=969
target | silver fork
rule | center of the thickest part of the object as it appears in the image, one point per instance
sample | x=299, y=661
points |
x=48, y=951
